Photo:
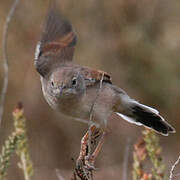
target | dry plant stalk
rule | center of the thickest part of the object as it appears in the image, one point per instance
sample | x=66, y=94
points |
x=5, y=57
x=17, y=142
x=149, y=147
x=173, y=168
x=139, y=155
x=154, y=151
x=22, y=149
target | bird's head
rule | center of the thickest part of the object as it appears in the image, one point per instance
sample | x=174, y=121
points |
x=66, y=83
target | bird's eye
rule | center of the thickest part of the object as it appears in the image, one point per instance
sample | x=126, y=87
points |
x=74, y=81
x=52, y=83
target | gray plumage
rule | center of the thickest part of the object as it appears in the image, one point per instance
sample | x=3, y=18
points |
x=72, y=89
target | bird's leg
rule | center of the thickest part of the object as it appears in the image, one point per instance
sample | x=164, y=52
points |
x=89, y=160
x=95, y=136
x=84, y=146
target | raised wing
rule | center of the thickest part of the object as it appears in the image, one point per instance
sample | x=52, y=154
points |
x=56, y=45
x=92, y=76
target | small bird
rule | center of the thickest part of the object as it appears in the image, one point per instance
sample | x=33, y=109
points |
x=78, y=91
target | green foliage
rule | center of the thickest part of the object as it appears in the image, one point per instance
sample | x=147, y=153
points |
x=22, y=146
x=17, y=142
x=7, y=150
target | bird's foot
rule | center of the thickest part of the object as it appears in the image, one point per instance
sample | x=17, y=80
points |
x=82, y=171
x=89, y=163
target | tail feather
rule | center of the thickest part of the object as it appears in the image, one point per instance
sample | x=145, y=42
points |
x=140, y=114
x=152, y=120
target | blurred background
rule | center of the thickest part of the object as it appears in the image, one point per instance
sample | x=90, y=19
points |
x=136, y=41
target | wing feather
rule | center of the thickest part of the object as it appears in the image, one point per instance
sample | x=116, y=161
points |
x=57, y=43
x=93, y=76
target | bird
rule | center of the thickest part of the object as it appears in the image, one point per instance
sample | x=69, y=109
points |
x=79, y=91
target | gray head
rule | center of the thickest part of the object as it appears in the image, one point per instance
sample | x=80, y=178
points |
x=65, y=83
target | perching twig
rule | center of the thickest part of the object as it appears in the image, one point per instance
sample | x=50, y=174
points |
x=5, y=57
x=173, y=167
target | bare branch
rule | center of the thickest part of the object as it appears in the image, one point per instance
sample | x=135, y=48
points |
x=173, y=167
x=5, y=57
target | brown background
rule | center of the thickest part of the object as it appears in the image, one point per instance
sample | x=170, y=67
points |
x=136, y=41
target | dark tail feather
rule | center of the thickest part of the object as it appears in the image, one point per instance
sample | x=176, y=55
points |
x=152, y=120
x=149, y=117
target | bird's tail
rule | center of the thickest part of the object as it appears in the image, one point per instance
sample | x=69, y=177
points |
x=140, y=114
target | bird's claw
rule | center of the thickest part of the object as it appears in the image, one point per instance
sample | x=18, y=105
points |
x=89, y=163
x=79, y=163
x=86, y=163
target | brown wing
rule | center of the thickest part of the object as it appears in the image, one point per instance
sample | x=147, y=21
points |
x=93, y=76
x=57, y=43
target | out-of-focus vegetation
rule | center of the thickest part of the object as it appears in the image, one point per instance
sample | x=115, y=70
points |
x=17, y=141
x=148, y=148
x=136, y=41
